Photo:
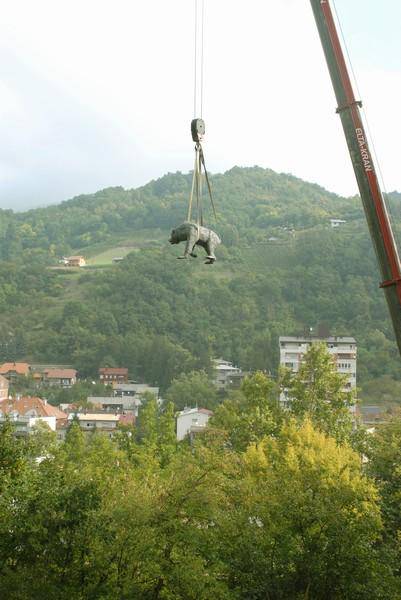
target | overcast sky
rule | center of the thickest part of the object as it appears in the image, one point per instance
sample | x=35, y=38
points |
x=97, y=93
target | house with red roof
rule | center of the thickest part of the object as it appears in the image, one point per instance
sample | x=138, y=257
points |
x=113, y=374
x=11, y=370
x=28, y=411
x=60, y=377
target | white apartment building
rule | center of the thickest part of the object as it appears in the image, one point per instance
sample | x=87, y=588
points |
x=343, y=350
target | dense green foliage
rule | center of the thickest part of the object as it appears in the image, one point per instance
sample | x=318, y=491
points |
x=325, y=398
x=385, y=466
x=161, y=317
x=279, y=511
x=193, y=389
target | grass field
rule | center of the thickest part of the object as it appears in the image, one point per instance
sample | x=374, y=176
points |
x=102, y=254
x=106, y=257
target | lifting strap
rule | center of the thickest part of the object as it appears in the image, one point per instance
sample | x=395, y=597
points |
x=197, y=186
x=202, y=158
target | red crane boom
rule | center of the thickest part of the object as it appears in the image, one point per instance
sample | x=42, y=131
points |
x=362, y=161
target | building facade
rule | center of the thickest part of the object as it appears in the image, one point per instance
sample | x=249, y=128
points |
x=76, y=261
x=337, y=222
x=342, y=349
x=60, y=377
x=105, y=423
x=133, y=389
x=108, y=375
x=191, y=419
x=127, y=397
x=116, y=404
x=12, y=370
x=28, y=411
x=226, y=374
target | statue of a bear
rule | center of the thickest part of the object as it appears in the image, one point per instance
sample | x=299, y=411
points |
x=196, y=235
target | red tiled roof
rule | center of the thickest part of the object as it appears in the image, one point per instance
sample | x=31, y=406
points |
x=60, y=373
x=113, y=371
x=205, y=411
x=25, y=404
x=20, y=368
x=54, y=411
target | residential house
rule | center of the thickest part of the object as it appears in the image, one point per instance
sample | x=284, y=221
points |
x=226, y=374
x=337, y=222
x=39, y=371
x=60, y=377
x=103, y=422
x=28, y=411
x=76, y=261
x=134, y=389
x=113, y=374
x=116, y=404
x=127, y=397
x=11, y=370
x=24, y=425
x=191, y=420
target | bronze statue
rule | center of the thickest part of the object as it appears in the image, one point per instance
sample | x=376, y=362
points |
x=196, y=235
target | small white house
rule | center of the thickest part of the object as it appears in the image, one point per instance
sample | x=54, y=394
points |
x=337, y=222
x=191, y=419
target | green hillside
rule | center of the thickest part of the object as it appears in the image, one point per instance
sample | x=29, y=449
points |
x=281, y=269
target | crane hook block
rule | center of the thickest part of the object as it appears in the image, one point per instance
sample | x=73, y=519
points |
x=197, y=129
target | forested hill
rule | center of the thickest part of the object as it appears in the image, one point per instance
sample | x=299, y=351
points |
x=245, y=197
x=281, y=269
